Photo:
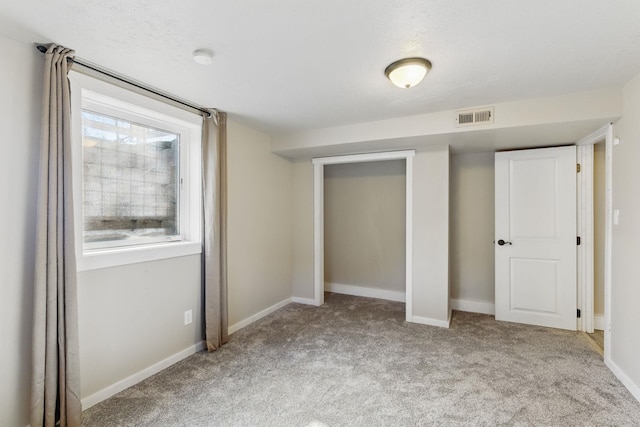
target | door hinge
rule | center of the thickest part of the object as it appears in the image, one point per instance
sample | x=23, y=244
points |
x=579, y=240
x=578, y=167
x=578, y=313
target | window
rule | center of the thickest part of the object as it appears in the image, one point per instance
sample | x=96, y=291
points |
x=136, y=176
x=130, y=176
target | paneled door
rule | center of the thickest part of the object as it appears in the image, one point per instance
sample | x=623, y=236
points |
x=535, y=237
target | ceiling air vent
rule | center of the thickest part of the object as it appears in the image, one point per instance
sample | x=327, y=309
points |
x=482, y=116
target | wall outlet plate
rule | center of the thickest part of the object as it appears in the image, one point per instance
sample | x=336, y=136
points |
x=188, y=317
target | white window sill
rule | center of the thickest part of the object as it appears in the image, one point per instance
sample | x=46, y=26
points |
x=113, y=257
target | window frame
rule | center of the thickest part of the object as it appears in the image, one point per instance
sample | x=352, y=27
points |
x=104, y=98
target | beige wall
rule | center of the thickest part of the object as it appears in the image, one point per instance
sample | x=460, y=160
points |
x=260, y=223
x=598, y=226
x=472, y=227
x=625, y=291
x=302, y=229
x=541, y=116
x=431, y=234
x=131, y=317
x=364, y=225
x=20, y=84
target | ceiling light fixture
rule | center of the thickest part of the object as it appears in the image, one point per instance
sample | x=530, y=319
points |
x=203, y=56
x=408, y=72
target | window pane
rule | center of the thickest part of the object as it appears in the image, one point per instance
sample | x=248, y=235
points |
x=130, y=180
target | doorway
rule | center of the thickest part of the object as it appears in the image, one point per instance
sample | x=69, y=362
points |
x=364, y=230
x=599, y=213
x=587, y=229
x=594, y=199
x=318, y=217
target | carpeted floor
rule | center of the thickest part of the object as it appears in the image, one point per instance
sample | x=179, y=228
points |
x=355, y=362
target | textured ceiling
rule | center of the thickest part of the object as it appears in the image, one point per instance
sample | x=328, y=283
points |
x=291, y=65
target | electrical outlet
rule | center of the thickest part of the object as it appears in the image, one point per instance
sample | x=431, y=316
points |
x=616, y=217
x=188, y=317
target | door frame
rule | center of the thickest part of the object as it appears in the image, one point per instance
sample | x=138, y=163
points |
x=318, y=217
x=586, y=231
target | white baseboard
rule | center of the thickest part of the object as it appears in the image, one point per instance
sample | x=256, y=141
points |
x=598, y=322
x=431, y=322
x=307, y=301
x=624, y=379
x=472, y=306
x=361, y=291
x=134, y=379
x=249, y=320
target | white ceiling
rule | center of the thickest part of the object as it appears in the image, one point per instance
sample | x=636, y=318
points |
x=290, y=65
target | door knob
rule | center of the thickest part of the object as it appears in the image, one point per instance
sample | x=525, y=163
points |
x=502, y=242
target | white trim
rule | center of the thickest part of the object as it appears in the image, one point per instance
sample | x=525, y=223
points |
x=307, y=301
x=362, y=291
x=594, y=137
x=409, y=237
x=472, y=306
x=585, y=260
x=598, y=322
x=608, y=239
x=104, y=258
x=318, y=233
x=107, y=392
x=367, y=157
x=249, y=320
x=318, y=217
x=431, y=322
x=633, y=388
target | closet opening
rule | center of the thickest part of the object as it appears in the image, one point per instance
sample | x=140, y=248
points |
x=364, y=229
x=358, y=186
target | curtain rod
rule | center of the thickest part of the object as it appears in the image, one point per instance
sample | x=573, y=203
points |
x=128, y=81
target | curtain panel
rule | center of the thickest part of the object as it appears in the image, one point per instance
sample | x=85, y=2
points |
x=214, y=204
x=55, y=393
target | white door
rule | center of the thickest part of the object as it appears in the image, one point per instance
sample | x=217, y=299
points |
x=535, y=228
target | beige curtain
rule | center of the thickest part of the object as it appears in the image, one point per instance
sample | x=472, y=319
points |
x=55, y=394
x=214, y=262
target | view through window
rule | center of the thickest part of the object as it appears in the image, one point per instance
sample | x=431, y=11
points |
x=130, y=181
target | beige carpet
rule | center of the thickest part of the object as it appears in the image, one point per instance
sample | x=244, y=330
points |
x=355, y=362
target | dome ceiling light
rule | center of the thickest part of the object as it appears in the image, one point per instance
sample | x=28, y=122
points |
x=408, y=72
x=203, y=56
